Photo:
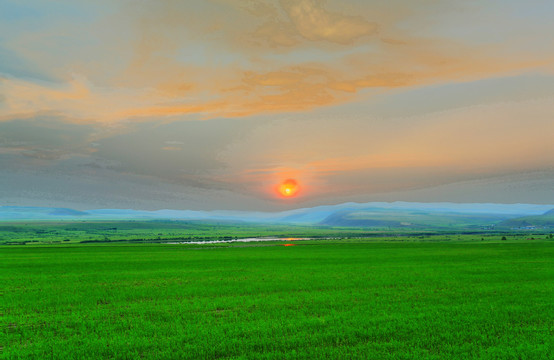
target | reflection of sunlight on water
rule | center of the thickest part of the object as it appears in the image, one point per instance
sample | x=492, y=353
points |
x=240, y=240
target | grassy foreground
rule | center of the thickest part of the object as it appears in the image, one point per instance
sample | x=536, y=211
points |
x=315, y=300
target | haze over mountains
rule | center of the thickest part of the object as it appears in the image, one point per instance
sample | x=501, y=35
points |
x=375, y=214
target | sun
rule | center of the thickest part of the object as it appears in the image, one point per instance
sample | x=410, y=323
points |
x=288, y=188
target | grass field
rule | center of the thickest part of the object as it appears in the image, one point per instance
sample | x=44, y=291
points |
x=315, y=300
x=54, y=232
x=157, y=231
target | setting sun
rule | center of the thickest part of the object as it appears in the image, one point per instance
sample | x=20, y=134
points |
x=288, y=188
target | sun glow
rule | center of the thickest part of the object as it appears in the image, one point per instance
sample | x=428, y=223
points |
x=288, y=188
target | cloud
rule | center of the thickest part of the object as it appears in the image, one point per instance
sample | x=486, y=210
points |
x=352, y=153
x=276, y=34
x=349, y=97
x=45, y=137
x=315, y=23
x=229, y=58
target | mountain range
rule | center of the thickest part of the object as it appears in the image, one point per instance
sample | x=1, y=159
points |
x=374, y=214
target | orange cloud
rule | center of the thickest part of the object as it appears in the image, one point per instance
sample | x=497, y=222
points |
x=315, y=23
x=369, y=155
x=231, y=58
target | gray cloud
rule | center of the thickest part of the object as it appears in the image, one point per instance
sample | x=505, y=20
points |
x=177, y=151
x=45, y=137
x=209, y=104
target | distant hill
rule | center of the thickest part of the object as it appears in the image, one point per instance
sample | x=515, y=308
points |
x=538, y=221
x=38, y=213
x=405, y=218
x=67, y=212
x=345, y=218
x=372, y=215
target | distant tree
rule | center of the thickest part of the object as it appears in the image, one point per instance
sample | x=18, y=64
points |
x=503, y=238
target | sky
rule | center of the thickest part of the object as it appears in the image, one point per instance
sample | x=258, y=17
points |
x=212, y=104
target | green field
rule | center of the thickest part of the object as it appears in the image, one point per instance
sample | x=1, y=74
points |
x=315, y=300
x=54, y=232
x=158, y=231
